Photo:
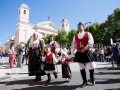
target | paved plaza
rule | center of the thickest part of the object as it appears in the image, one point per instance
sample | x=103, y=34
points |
x=107, y=78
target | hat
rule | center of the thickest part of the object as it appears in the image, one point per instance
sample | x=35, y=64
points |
x=81, y=24
x=57, y=50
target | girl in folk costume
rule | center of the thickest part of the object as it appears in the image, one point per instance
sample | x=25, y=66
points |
x=35, y=53
x=66, y=71
x=49, y=60
x=82, y=41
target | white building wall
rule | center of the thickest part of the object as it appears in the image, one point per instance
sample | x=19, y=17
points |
x=24, y=32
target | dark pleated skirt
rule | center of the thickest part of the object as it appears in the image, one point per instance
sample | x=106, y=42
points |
x=35, y=64
x=66, y=71
x=49, y=66
x=85, y=57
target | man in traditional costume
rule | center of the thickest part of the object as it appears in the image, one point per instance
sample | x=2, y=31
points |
x=53, y=44
x=54, y=47
x=82, y=41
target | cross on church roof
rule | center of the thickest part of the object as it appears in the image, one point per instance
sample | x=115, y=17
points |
x=48, y=18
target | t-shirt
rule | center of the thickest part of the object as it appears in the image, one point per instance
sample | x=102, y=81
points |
x=101, y=51
x=20, y=51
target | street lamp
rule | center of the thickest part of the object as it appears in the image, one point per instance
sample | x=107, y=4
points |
x=111, y=32
x=87, y=24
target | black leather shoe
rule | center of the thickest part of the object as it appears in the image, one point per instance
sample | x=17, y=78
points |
x=83, y=84
x=93, y=83
x=48, y=80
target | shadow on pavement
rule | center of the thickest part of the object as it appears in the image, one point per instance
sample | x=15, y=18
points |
x=5, y=67
x=64, y=87
x=115, y=68
x=104, y=73
x=43, y=85
x=4, y=63
x=100, y=69
x=105, y=64
x=109, y=81
x=113, y=89
x=32, y=83
x=14, y=73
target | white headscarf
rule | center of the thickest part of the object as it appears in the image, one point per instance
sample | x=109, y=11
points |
x=37, y=40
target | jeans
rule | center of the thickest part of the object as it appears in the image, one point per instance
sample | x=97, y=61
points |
x=19, y=60
x=0, y=55
x=112, y=61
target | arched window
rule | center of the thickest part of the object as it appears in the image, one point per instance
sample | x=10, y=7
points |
x=24, y=12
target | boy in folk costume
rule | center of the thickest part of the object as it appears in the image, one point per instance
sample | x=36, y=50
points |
x=49, y=60
x=53, y=44
x=66, y=71
x=82, y=41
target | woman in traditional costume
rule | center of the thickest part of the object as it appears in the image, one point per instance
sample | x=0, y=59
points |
x=35, y=53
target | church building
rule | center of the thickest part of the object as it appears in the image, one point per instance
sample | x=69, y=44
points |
x=24, y=29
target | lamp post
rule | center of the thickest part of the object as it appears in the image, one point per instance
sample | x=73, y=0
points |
x=87, y=24
x=111, y=32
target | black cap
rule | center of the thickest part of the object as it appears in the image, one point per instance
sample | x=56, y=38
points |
x=81, y=24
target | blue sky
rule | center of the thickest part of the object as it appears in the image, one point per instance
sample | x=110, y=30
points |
x=73, y=10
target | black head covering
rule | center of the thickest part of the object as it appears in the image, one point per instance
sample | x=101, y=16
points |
x=81, y=24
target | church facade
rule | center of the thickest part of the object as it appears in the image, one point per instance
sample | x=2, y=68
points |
x=24, y=29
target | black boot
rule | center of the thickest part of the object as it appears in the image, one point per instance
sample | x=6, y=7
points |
x=83, y=74
x=92, y=76
x=55, y=74
x=49, y=77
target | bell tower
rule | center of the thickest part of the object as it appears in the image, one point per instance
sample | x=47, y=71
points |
x=23, y=13
x=65, y=25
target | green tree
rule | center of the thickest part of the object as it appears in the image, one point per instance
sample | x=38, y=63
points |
x=98, y=31
x=27, y=44
x=61, y=38
x=70, y=36
x=46, y=38
x=113, y=25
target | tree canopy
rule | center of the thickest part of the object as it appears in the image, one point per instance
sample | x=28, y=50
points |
x=102, y=32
